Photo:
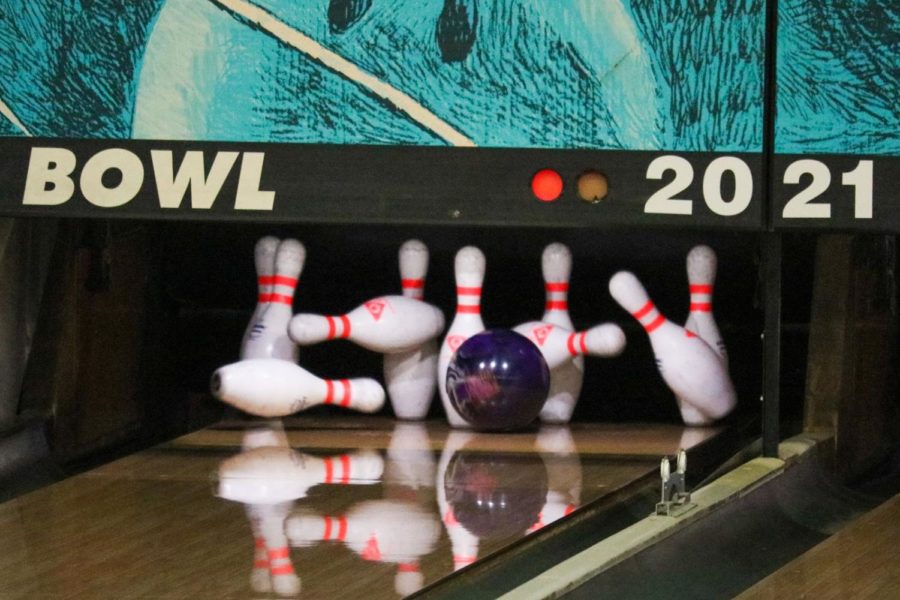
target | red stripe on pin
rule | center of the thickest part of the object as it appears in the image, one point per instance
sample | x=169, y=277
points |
x=346, y=324
x=281, y=299
x=642, y=312
x=699, y=288
x=342, y=528
x=276, y=553
x=265, y=279
x=582, y=342
x=408, y=568
x=285, y=569
x=556, y=305
x=286, y=281
x=331, y=327
x=345, y=466
x=570, y=344
x=329, y=391
x=468, y=309
x=556, y=286
x=654, y=324
x=412, y=284
x=345, y=401
x=329, y=469
x=262, y=298
x=261, y=564
x=701, y=306
x=468, y=291
x=326, y=535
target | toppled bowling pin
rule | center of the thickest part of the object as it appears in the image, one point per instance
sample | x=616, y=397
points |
x=269, y=387
x=267, y=336
x=688, y=365
x=701, y=272
x=560, y=346
x=384, y=324
x=567, y=378
x=469, y=269
x=411, y=376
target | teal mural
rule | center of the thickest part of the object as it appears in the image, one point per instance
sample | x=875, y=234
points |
x=677, y=75
x=838, y=65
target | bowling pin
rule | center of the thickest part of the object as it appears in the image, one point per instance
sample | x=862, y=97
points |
x=469, y=268
x=566, y=379
x=268, y=334
x=269, y=387
x=264, y=261
x=560, y=346
x=701, y=272
x=387, y=531
x=411, y=376
x=385, y=324
x=688, y=365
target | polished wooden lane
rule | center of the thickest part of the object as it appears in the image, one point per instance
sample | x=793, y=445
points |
x=859, y=561
x=355, y=508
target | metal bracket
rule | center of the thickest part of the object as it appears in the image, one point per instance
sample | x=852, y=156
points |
x=675, y=500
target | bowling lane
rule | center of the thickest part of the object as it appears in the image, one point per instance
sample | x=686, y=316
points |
x=355, y=507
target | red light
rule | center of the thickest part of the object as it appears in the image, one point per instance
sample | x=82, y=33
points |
x=546, y=185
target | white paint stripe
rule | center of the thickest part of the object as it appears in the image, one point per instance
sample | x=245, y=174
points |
x=305, y=44
x=7, y=112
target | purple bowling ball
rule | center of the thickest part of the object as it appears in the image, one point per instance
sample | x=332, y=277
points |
x=498, y=380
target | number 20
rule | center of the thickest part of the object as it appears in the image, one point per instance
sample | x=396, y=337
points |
x=663, y=201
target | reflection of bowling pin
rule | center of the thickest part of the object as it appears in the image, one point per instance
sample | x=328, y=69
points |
x=268, y=476
x=410, y=459
x=269, y=387
x=689, y=366
x=271, y=549
x=469, y=267
x=274, y=474
x=387, y=531
x=385, y=324
x=566, y=379
x=463, y=543
x=701, y=272
x=267, y=336
x=560, y=456
x=560, y=346
x=411, y=376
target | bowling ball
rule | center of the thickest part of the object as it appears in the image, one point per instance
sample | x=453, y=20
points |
x=498, y=380
x=496, y=495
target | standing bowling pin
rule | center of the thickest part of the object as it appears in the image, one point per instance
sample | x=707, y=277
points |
x=463, y=543
x=384, y=324
x=561, y=346
x=566, y=379
x=689, y=366
x=469, y=268
x=701, y=272
x=269, y=387
x=268, y=334
x=264, y=261
x=411, y=376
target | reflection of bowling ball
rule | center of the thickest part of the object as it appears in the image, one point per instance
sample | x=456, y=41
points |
x=496, y=495
x=498, y=380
